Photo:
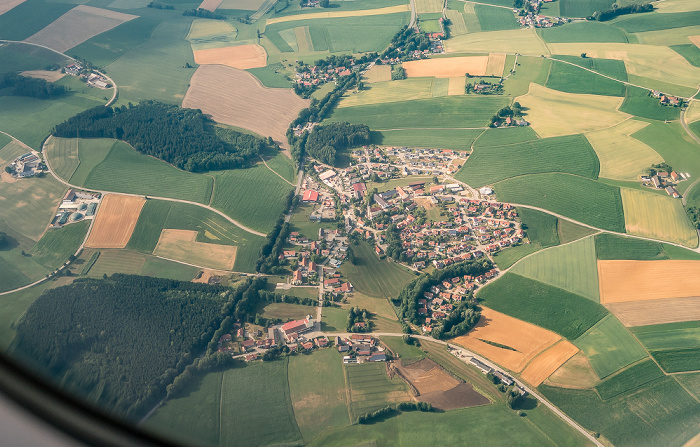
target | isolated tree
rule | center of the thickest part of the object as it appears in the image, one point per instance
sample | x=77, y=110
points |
x=324, y=3
x=584, y=55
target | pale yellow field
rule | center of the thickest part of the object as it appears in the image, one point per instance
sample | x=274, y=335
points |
x=115, y=221
x=656, y=216
x=651, y=61
x=237, y=98
x=670, y=6
x=78, y=25
x=523, y=41
x=426, y=6
x=303, y=39
x=692, y=113
x=458, y=27
x=624, y=281
x=497, y=62
x=621, y=156
x=547, y=362
x=181, y=245
x=527, y=339
x=210, y=5
x=669, y=310
x=577, y=372
x=456, y=86
x=241, y=56
x=339, y=14
x=447, y=67
x=246, y=5
x=552, y=113
x=203, y=28
x=6, y=5
x=665, y=37
x=378, y=73
x=51, y=76
x=695, y=40
x=392, y=91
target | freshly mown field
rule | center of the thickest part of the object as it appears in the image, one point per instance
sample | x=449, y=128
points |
x=676, y=346
x=54, y=248
x=640, y=103
x=570, y=154
x=579, y=198
x=283, y=166
x=629, y=379
x=125, y=170
x=373, y=276
x=239, y=193
x=212, y=228
x=541, y=231
x=495, y=19
x=610, y=346
x=407, y=353
x=455, y=139
x=89, y=152
x=583, y=32
x=608, y=67
x=568, y=314
x=670, y=222
x=570, y=267
x=509, y=41
x=63, y=156
x=505, y=136
x=370, y=388
x=182, y=245
x=450, y=112
x=659, y=413
x=572, y=79
x=621, y=156
x=317, y=391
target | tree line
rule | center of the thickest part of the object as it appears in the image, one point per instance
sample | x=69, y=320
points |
x=616, y=11
x=404, y=42
x=203, y=14
x=391, y=410
x=14, y=84
x=324, y=142
x=184, y=138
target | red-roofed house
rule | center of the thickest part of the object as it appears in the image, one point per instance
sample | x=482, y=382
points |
x=310, y=196
x=297, y=326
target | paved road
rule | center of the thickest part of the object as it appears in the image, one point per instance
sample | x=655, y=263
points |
x=412, y=23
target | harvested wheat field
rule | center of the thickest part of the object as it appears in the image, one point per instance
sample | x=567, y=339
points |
x=439, y=388
x=182, y=245
x=340, y=14
x=523, y=340
x=456, y=86
x=237, y=98
x=47, y=75
x=497, y=62
x=115, y=221
x=240, y=56
x=78, y=25
x=577, y=372
x=692, y=113
x=695, y=40
x=6, y=5
x=378, y=73
x=549, y=361
x=447, y=67
x=669, y=310
x=623, y=281
x=210, y=5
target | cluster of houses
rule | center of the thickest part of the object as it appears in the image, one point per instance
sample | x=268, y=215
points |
x=360, y=348
x=312, y=193
x=509, y=122
x=529, y=17
x=92, y=79
x=27, y=165
x=317, y=76
x=336, y=286
x=666, y=181
x=331, y=246
x=667, y=100
x=76, y=206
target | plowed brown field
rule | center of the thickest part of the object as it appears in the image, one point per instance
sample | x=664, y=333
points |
x=240, y=56
x=210, y=5
x=549, y=361
x=669, y=310
x=623, y=281
x=237, y=98
x=115, y=221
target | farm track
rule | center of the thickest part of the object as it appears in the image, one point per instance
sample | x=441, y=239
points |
x=276, y=173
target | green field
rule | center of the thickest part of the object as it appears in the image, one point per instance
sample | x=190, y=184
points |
x=571, y=79
x=371, y=388
x=287, y=312
x=610, y=346
x=300, y=221
x=239, y=193
x=569, y=231
x=571, y=267
x=125, y=170
x=407, y=353
x=629, y=379
x=567, y=314
x=676, y=346
x=29, y=17
x=283, y=166
x=131, y=262
x=639, y=23
x=579, y=198
x=659, y=413
x=14, y=305
x=211, y=228
x=21, y=57
x=609, y=246
x=271, y=76
x=529, y=69
x=450, y=112
x=569, y=154
x=63, y=156
x=317, y=390
x=582, y=32
x=689, y=51
x=582, y=8
x=541, y=231
x=54, y=248
x=505, y=136
x=455, y=139
x=373, y=276
x=334, y=319
x=640, y=103
x=90, y=152
x=339, y=5
x=495, y=19
x=691, y=382
x=609, y=67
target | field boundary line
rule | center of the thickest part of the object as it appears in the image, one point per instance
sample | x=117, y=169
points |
x=682, y=386
x=221, y=404
x=276, y=173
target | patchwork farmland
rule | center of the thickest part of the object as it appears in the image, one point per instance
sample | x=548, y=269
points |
x=115, y=221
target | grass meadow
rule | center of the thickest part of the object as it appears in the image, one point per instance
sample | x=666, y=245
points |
x=640, y=103
x=271, y=76
x=455, y=139
x=629, y=379
x=571, y=267
x=689, y=51
x=583, y=32
x=283, y=166
x=495, y=19
x=582, y=8
x=54, y=248
x=373, y=276
x=21, y=57
x=286, y=311
x=610, y=347
x=392, y=91
x=579, y=198
x=569, y=154
x=29, y=17
x=371, y=388
x=407, y=353
x=569, y=231
x=541, y=231
x=334, y=319
x=609, y=67
x=63, y=156
x=676, y=346
x=567, y=314
x=640, y=23
x=505, y=136
x=90, y=152
x=132, y=262
x=609, y=246
x=572, y=79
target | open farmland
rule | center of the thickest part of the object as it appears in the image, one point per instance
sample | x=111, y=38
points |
x=78, y=25
x=94, y=151
x=541, y=231
x=578, y=198
x=456, y=85
x=30, y=17
x=638, y=102
x=373, y=276
x=608, y=67
x=57, y=245
x=9, y=4
x=240, y=56
x=115, y=221
x=675, y=346
x=340, y=14
x=456, y=139
x=622, y=281
x=370, y=388
x=570, y=267
x=562, y=76
x=505, y=136
x=17, y=56
x=610, y=346
x=237, y=98
x=448, y=67
x=524, y=340
x=428, y=6
x=63, y=156
x=552, y=113
x=206, y=34
x=670, y=222
x=246, y=5
x=569, y=154
x=574, y=373
x=47, y=75
x=549, y=361
x=378, y=73
x=393, y=91
x=568, y=314
x=210, y=5
x=457, y=24
x=609, y=246
x=666, y=310
x=621, y=156
x=583, y=32
x=495, y=19
x=181, y=245
x=629, y=379
x=524, y=41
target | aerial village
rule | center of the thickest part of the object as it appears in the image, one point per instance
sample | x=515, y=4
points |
x=26, y=165
x=90, y=77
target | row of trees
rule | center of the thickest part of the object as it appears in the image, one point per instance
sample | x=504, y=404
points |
x=13, y=84
x=324, y=142
x=182, y=137
x=616, y=11
x=390, y=410
x=203, y=14
x=268, y=261
x=404, y=42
